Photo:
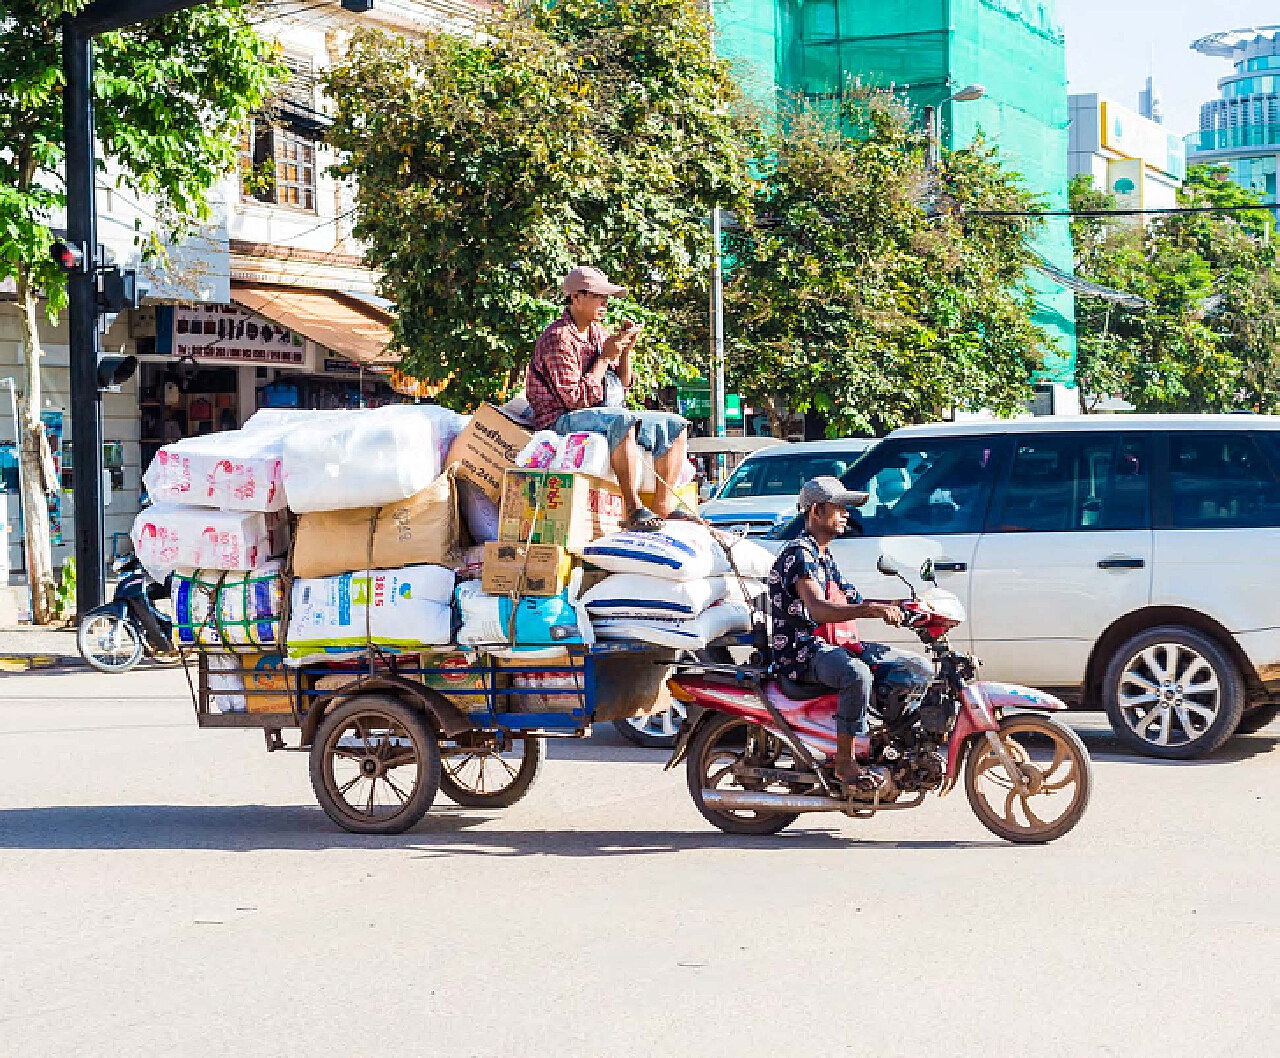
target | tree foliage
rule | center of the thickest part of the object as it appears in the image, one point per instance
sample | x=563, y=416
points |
x=586, y=131
x=1207, y=342
x=170, y=98
x=850, y=297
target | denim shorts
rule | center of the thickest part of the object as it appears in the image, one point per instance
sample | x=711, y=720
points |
x=657, y=431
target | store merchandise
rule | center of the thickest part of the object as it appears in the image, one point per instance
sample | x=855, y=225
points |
x=486, y=447
x=236, y=470
x=585, y=453
x=260, y=675
x=495, y=620
x=167, y=537
x=400, y=609
x=642, y=595
x=478, y=511
x=546, y=692
x=214, y=608
x=716, y=621
x=678, y=551
x=542, y=452
x=526, y=569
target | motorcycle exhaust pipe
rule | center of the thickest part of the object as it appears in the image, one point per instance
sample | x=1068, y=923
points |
x=750, y=801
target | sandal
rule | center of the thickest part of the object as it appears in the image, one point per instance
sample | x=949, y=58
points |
x=865, y=780
x=681, y=515
x=643, y=520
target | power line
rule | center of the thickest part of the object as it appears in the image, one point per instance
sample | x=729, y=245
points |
x=1112, y=212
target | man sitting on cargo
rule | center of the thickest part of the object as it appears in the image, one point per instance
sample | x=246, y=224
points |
x=577, y=382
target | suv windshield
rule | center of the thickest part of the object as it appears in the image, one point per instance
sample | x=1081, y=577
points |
x=783, y=475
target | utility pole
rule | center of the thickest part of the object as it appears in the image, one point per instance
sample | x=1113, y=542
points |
x=717, y=329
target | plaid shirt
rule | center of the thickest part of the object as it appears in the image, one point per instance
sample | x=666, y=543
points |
x=563, y=356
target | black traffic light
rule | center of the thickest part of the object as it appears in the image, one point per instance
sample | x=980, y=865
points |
x=114, y=371
x=70, y=257
x=120, y=290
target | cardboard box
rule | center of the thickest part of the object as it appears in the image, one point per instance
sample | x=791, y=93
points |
x=570, y=510
x=422, y=530
x=546, y=569
x=249, y=683
x=456, y=677
x=485, y=449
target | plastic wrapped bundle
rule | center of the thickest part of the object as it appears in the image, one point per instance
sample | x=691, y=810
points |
x=396, y=609
x=227, y=609
x=167, y=537
x=237, y=470
x=365, y=458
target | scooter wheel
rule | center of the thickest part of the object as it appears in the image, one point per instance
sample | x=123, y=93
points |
x=109, y=642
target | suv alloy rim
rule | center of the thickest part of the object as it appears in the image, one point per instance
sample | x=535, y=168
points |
x=1169, y=694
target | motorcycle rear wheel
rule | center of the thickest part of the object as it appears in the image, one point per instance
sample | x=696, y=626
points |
x=109, y=642
x=720, y=742
x=1059, y=776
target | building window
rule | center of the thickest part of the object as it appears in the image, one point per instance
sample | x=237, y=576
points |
x=278, y=165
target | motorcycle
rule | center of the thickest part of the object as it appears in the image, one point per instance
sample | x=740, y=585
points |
x=761, y=752
x=114, y=636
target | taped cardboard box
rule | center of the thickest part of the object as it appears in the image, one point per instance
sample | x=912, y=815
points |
x=566, y=509
x=486, y=448
x=420, y=531
x=534, y=569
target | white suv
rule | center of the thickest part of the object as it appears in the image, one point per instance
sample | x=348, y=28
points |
x=1131, y=562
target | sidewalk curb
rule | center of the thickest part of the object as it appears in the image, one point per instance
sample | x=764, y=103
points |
x=16, y=663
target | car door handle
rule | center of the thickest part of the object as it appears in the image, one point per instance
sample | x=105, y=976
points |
x=1121, y=562
x=943, y=566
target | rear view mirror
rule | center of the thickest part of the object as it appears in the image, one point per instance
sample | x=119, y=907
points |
x=926, y=571
x=887, y=566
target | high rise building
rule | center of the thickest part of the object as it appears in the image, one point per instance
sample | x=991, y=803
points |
x=1241, y=128
x=926, y=50
x=1149, y=102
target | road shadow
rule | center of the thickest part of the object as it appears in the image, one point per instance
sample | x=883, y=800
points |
x=446, y=831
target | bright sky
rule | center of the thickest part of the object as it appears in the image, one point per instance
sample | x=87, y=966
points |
x=1111, y=44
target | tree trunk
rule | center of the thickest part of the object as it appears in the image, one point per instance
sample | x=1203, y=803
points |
x=35, y=504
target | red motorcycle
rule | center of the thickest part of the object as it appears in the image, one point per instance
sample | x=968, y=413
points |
x=760, y=753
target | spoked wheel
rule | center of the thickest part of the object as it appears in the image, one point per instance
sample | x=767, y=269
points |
x=375, y=767
x=475, y=772
x=655, y=731
x=725, y=745
x=109, y=643
x=1055, y=767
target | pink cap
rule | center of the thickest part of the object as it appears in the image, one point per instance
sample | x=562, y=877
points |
x=592, y=280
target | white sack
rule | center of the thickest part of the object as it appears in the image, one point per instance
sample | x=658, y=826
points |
x=237, y=470
x=752, y=560
x=401, y=609
x=640, y=595
x=364, y=458
x=541, y=452
x=540, y=621
x=679, y=551
x=478, y=511
x=166, y=537
x=714, y=622
x=585, y=453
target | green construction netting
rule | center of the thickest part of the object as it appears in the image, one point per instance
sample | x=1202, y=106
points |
x=925, y=49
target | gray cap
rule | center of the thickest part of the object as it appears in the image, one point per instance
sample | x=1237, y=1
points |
x=828, y=490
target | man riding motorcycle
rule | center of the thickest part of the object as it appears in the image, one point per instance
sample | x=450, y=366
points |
x=807, y=590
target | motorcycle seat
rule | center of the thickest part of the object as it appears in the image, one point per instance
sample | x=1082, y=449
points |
x=803, y=692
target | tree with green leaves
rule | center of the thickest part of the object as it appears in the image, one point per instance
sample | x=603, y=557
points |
x=171, y=97
x=1206, y=340
x=586, y=131
x=861, y=290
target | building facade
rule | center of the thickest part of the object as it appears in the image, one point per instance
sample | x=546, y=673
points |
x=1241, y=128
x=270, y=304
x=1137, y=160
x=926, y=50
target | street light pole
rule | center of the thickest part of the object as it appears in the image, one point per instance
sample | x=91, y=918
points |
x=717, y=329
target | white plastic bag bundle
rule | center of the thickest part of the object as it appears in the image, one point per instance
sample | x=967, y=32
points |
x=714, y=622
x=585, y=453
x=166, y=536
x=364, y=458
x=237, y=470
x=478, y=511
x=641, y=595
x=396, y=609
x=541, y=452
x=679, y=551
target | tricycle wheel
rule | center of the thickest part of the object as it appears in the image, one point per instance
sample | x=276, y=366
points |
x=476, y=772
x=375, y=766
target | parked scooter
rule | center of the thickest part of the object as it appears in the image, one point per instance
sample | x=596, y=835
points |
x=114, y=636
x=761, y=752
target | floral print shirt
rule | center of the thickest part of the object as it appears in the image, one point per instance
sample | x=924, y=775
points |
x=795, y=640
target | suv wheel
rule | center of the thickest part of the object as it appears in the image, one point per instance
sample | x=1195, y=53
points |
x=1173, y=692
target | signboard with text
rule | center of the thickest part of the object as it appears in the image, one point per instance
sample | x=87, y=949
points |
x=228, y=333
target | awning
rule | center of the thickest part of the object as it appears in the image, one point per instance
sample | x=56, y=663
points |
x=346, y=325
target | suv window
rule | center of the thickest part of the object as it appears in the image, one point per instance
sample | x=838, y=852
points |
x=1073, y=481
x=784, y=475
x=1220, y=481
x=927, y=486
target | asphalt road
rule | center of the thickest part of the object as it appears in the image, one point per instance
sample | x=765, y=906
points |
x=169, y=891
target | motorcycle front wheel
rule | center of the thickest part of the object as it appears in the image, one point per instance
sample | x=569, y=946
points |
x=109, y=642
x=1055, y=767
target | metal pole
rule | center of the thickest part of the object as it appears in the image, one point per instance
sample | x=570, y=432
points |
x=717, y=329
x=931, y=137
x=17, y=451
x=82, y=314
